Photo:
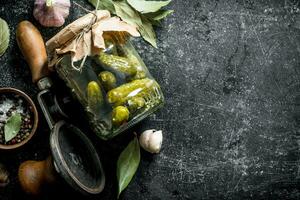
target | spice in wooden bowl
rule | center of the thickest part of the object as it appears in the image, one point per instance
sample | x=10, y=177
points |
x=18, y=118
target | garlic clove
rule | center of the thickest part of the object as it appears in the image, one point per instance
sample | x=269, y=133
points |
x=156, y=141
x=151, y=140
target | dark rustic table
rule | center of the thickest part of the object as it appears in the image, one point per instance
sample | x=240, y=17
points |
x=230, y=72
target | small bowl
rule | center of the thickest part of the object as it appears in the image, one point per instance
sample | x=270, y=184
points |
x=33, y=110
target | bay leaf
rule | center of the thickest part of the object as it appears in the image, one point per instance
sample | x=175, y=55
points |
x=12, y=126
x=104, y=5
x=147, y=32
x=159, y=14
x=147, y=6
x=127, y=164
x=127, y=13
x=4, y=36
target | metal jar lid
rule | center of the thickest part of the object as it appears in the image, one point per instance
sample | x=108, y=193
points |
x=76, y=159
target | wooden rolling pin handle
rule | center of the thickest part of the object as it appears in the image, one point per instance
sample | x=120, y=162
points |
x=33, y=175
x=33, y=48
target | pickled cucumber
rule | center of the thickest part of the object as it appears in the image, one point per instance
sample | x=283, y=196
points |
x=120, y=115
x=108, y=80
x=140, y=72
x=117, y=63
x=135, y=103
x=130, y=89
x=94, y=95
x=110, y=47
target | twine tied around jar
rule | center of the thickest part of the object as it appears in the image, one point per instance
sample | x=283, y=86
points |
x=84, y=37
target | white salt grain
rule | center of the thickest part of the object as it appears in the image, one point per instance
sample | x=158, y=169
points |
x=6, y=105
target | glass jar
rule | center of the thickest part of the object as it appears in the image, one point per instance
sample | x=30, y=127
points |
x=115, y=87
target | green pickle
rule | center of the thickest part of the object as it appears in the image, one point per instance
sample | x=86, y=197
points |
x=117, y=63
x=140, y=72
x=136, y=87
x=139, y=75
x=94, y=96
x=110, y=47
x=135, y=103
x=120, y=115
x=108, y=80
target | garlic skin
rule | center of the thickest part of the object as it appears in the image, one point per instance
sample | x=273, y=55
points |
x=51, y=13
x=151, y=140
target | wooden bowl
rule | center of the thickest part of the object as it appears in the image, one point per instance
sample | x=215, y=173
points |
x=33, y=110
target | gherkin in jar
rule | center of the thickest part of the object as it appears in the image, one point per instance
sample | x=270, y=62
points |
x=117, y=63
x=135, y=103
x=108, y=80
x=120, y=115
x=134, y=88
x=140, y=71
x=94, y=95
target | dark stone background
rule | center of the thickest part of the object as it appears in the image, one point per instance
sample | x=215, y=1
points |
x=230, y=72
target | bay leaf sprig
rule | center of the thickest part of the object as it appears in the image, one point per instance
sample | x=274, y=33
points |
x=127, y=164
x=147, y=6
x=12, y=127
x=4, y=36
x=141, y=13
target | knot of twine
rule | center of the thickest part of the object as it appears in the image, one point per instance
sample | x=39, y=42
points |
x=85, y=30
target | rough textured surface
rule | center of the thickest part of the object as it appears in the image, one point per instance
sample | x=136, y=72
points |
x=230, y=71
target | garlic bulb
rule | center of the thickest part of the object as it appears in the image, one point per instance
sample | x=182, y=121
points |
x=51, y=13
x=151, y=140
